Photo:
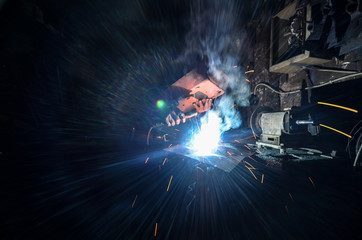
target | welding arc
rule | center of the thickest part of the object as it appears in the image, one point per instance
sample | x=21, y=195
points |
x=338, y=106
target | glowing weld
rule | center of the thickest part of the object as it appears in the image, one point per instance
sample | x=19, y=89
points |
x=206, y=141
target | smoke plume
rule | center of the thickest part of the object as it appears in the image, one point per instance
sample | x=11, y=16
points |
x=215, y=36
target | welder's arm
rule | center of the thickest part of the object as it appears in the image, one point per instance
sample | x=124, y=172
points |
x=201, y=106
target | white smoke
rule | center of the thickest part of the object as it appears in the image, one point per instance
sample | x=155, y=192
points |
x=216, y=36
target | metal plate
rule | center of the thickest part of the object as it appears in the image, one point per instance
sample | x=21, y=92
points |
x=226, y=158
x=199, y=86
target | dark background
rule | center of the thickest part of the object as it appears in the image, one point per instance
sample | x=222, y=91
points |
x=76, y=76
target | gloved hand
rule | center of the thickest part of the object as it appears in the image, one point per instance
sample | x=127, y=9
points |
x=173, y=119
x=203, y=105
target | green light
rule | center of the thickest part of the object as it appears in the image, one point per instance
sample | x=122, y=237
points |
x=161, y=104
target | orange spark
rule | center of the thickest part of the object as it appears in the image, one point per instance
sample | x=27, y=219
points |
x=134, y=200
x=262, y=178
x=250, y=165
x=236, y=141
x=156, y=230
x=170, y=145
x=311, y=181
x=235, y=66
x=253, y=133
x=228, y=153
x=290, y=195
x=247, y=80
x=164, y=161
x=247, y=146
x=177, y=129
x=251, y=172
x=233, y=106
x=258, y=150
x=252, y=158
x=169, y=183
x=250, y=71
x=147, y=160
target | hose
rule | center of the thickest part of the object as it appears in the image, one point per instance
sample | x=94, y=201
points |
x=271, y=88
x=355, y=160
x=335, y=80
x=307, y=88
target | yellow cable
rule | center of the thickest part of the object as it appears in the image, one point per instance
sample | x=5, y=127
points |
x=345, y=134
x=338, y=106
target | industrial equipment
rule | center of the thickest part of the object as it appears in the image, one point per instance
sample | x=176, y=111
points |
x=270, y=126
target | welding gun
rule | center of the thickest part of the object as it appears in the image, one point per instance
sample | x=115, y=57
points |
x=163, y=130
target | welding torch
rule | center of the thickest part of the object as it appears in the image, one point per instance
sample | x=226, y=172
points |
x=165, y=136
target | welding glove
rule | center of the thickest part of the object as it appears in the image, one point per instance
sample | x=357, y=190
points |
x=173, y=119
x=203, y=105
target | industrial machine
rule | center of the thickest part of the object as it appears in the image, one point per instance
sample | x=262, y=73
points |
x=269, y=127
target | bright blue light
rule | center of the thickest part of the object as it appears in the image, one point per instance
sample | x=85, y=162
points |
x=206, y=141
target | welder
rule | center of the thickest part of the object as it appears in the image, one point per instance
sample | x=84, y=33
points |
x=194, y=93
